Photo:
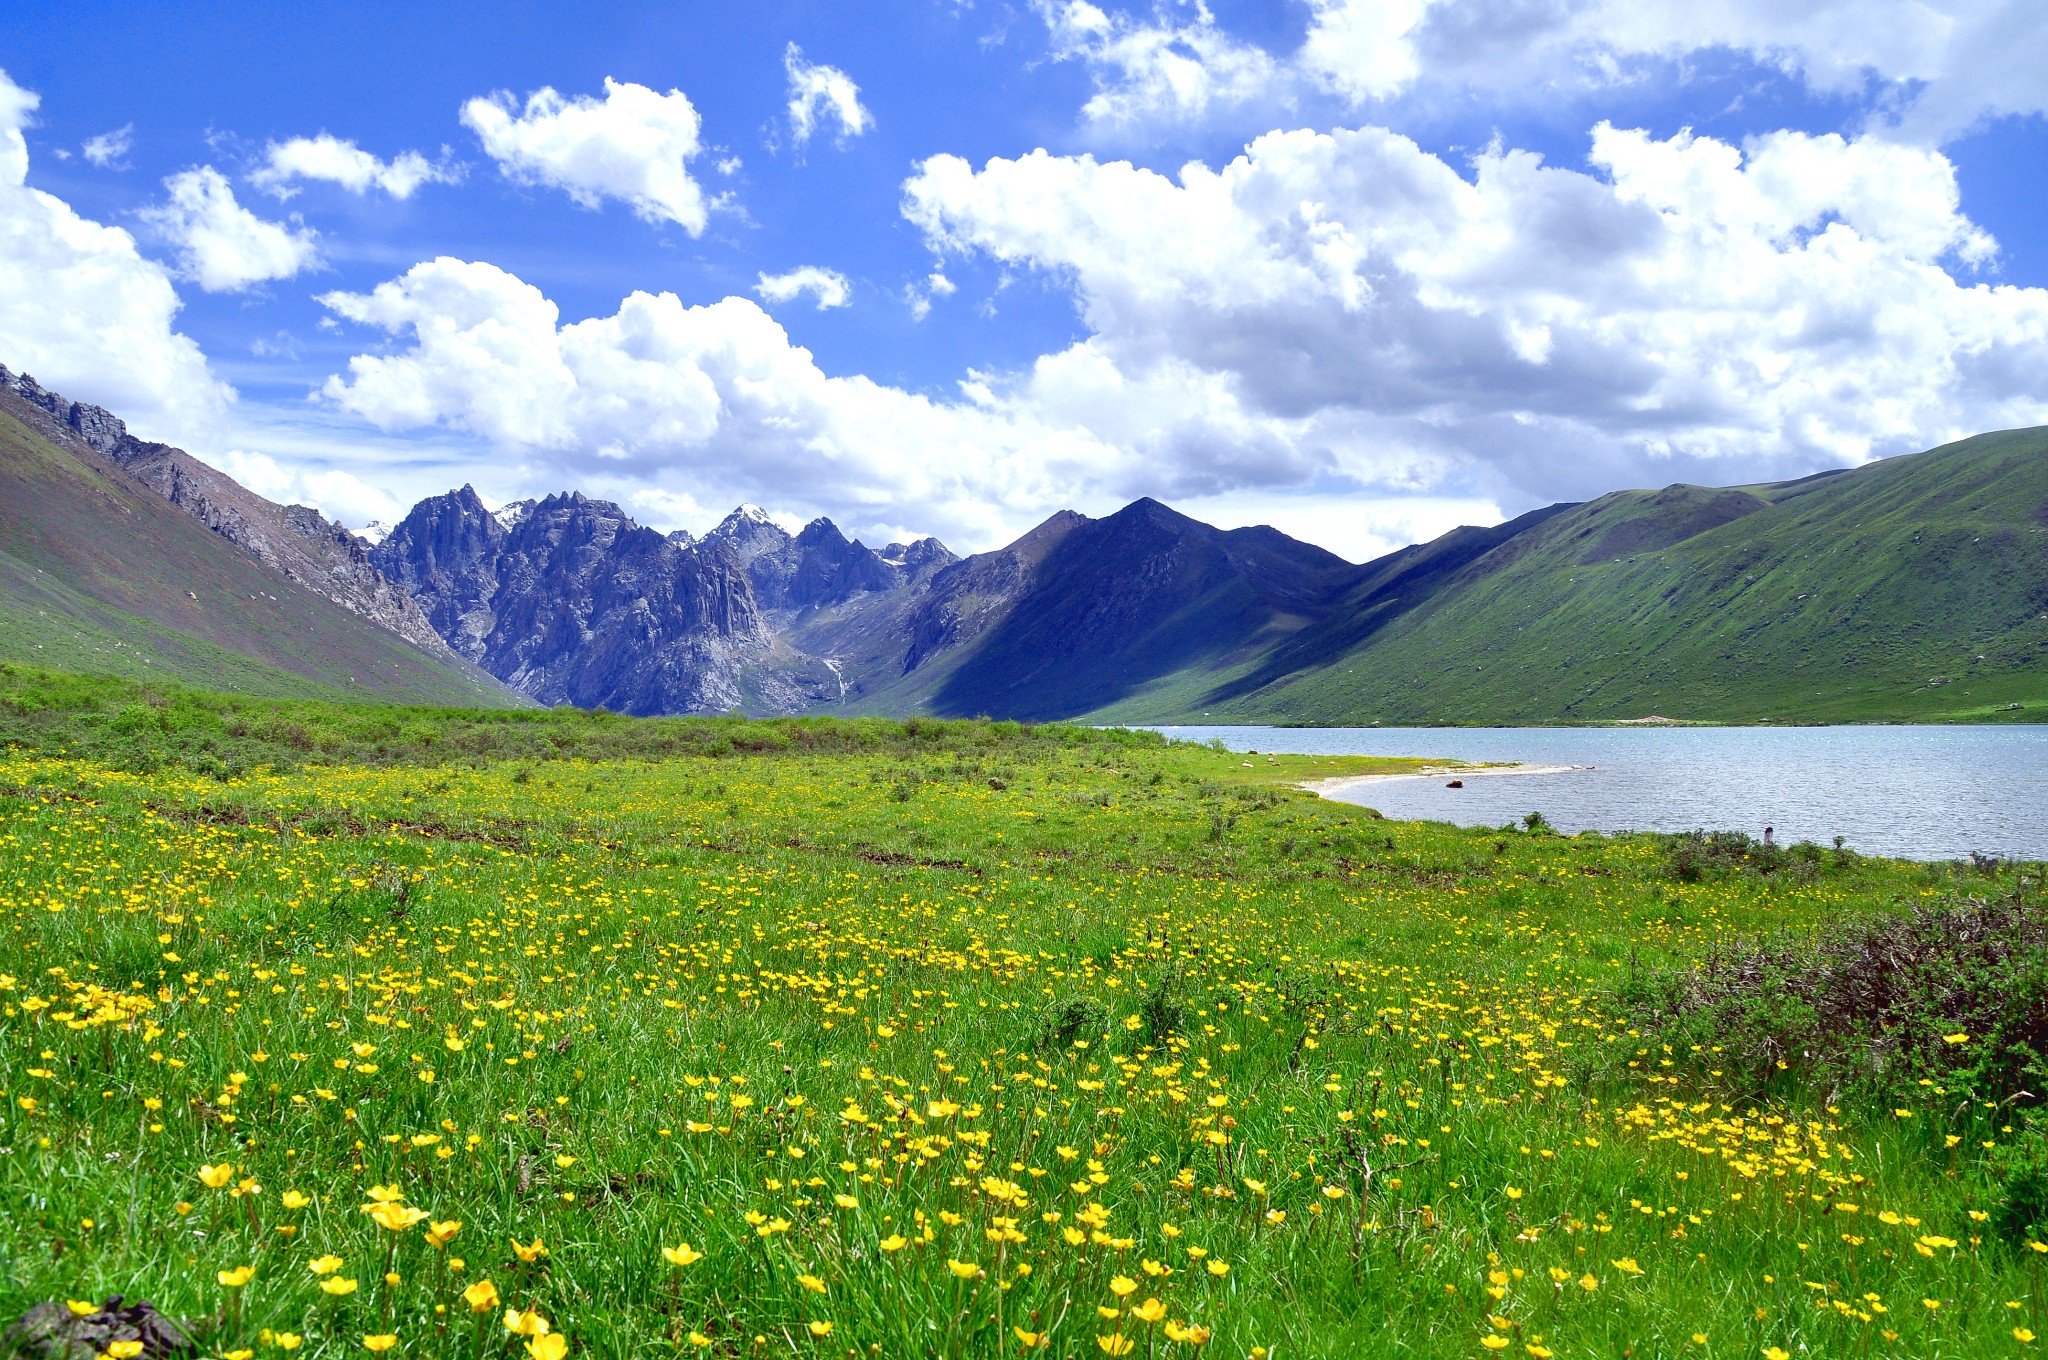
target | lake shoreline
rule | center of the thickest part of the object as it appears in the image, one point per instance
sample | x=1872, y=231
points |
x=1912, y=792
x=1330, y=788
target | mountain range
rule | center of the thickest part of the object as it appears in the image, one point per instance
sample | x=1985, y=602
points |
x=1913, y=587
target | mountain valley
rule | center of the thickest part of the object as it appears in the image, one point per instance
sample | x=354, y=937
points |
x=1911, y=588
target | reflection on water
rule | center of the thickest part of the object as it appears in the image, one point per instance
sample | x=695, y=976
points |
x=1919, y=792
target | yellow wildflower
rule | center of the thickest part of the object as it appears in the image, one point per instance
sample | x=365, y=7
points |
x=395, y=1217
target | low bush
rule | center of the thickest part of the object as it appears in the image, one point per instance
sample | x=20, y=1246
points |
x=1957, y=994
x=1693, y=856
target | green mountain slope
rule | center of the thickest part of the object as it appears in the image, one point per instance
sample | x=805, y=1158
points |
x=98, y=573
x=1913, y=588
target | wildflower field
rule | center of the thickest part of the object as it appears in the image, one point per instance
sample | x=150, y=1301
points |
x=850, y=1039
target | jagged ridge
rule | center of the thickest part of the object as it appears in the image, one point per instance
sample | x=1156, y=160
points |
x=295, y=541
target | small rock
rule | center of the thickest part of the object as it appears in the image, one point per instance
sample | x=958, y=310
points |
x=51, y=1331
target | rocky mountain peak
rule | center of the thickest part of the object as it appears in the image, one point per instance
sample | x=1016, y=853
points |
x=512, y=513
x=96, y=425
x=750, y=534
x=917, y=554
x=821, y=532
x=577, y=603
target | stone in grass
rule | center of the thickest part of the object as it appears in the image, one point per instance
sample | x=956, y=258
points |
x=51, y=1331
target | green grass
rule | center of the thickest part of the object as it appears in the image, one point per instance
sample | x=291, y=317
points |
x=146, y=725
x=981, y=984
x=47, y=624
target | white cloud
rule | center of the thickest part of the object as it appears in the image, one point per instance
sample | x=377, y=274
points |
x=1366, y=49
x=920, y=296
x=818, y=94
x=1934, y=66
x=335, y=492
x=221, y=245
x=1168, y=70
x=828, y=286
x=336, y=161
x=82, y=310
x=1347, y=305
x=1355, y=525
x=633, y=145
x=715, y=396
x=1331, y=320
x=110, y=150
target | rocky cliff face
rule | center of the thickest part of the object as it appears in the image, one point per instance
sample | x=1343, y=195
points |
x=295, y=541
x=445, y=552
x=569, y=601
x=967, y=597
x=814, y=568
x=575, y=603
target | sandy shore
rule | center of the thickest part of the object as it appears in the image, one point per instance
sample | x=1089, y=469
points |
x=1331, y=787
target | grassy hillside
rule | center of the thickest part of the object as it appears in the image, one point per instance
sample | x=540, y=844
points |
x=975, y=1040
x=1911, y=589
x=98, y=573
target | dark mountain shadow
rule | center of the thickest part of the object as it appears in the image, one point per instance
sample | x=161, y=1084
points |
x=1125, y=600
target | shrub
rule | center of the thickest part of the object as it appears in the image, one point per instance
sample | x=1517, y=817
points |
x=1062, y=1022
x=1957, y=993
x=1696, y=855
x=2021, y=1211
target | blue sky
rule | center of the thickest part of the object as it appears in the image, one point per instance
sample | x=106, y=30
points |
x=1778, y=238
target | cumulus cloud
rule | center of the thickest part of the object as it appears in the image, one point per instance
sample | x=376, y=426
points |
x=1332, y=317
x=821, y=94
x=714, y=396
x=84, y=311
x=1176, y=66
x=330, y=158
x=336, y=492
x=634, y=145
x=1932, y=67
x=828, y=286
x=1348, y=305
x=221, y=245
x=110, y=150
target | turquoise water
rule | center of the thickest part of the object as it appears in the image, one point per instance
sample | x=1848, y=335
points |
x=1916, y=792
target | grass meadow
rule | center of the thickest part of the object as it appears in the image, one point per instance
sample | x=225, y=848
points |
x=813, y=1039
